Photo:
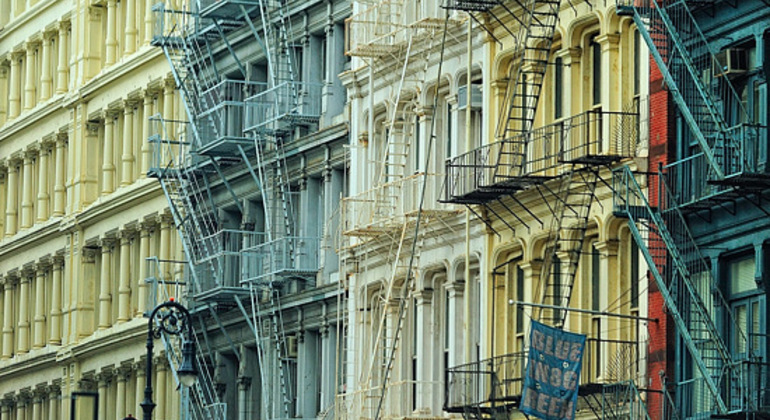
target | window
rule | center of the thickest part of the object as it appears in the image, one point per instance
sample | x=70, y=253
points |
x=596, y=285
x=558, y=82
x=417, y=145
x=742, y=276
x=519, y=297
x=637, y=63
x=448, y=130
x=596, y=69
x=634, y=275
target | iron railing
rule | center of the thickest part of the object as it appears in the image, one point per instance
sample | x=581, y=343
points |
x=279, y=109
x=590, y=137
x=390, y=205
x=284, y=257
x=499, y=380
x=223, y=111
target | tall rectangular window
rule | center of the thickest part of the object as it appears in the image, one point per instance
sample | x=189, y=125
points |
x=519, y=297
x=596, y=284
x=448, y=130
x=417, y=145
x=634, y=276
x=637, y=63
x=596, y=69
x=558, y=81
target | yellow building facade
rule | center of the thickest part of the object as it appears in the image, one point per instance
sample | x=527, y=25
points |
x=438, y=311
x=78, y=83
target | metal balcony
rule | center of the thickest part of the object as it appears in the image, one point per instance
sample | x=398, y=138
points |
x=377, y=30
x=221, y=275
x=169, y=147
x=742, y=154
x=171, y=27
x=221, y=119
x=281, y=259
x=471, y=5
x=228, y=9
x=501, y=168
x=493, y=385
x=385, y=209
x=277, y=111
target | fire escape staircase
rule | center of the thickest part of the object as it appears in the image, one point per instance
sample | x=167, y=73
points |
x=186, y=38
x=685, y=282
x=687, y=59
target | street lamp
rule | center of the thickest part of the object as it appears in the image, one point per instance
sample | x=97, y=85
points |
x=171, y=318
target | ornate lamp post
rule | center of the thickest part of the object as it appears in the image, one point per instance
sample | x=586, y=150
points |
x=172, y=318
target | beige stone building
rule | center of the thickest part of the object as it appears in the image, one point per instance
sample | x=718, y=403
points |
x=78, y=82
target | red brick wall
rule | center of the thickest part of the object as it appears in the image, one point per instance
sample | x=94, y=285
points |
x=661, y=334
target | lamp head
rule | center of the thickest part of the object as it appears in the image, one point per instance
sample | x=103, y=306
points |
x=188, y=375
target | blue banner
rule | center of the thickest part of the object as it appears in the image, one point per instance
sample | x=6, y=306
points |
x=553, y=371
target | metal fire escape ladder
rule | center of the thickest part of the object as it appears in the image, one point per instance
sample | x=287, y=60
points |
x=565, y=241
x=684, y=56
x=538, y=25
x=684, y=301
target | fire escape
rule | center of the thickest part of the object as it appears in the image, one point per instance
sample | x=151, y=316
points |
x=231, y=121
x=394, y=213
x=561, y=164
x=725, y=166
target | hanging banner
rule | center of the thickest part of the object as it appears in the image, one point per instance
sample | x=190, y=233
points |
x=553, y=371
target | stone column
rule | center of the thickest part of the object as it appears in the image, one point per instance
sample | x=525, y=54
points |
x=43, y=197
x=46, y=78
x=56, y=300
x=148, y=21
x=168, y=107
x=4, y=89
x=8, y=305
x=423, y=336
x=11, y=203
x=456, y=338
x=5, y=409
x=37, y=404
x=111, y=42
x=328, y=364
x=244, y=383
x=54, y=398
x=38, y=341
x=105, y=284
x=130, y=46
x=30, y=89
x=23, y=326
x=22, y=399
x=59, y=189
x=610, y=291
x=120, y=404
x=160, y=380
x=62, y=67
x=27, y=204
x=127, y=160
x=144, y=253
x=102, y=379
x=145, y=149
x=141, y=381
x=124, y=289
x=108, y=167
x=165, y=246
x=14, y=88
x=307, y=372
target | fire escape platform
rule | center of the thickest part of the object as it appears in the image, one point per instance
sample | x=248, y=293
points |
x=229, y=9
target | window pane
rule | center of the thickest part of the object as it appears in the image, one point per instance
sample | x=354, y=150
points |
x=740, y=318
x=742, y=276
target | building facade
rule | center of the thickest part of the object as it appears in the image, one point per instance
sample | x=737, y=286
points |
x=78, y=81
x=441, y=296
x=707, y=224
x=254, y=173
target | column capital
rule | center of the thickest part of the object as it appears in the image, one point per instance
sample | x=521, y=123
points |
x=42, y=267
x=160, y=362
x=64, y=26
x=27, y=273
x=93, y=127
x=572, y=55
x=23, y=397
x=139, y=367
x=126, y=236
x=423, y=296
x=106, y=243
x=124, y=372
x=608, y=41
x=608, y=247
x=89, y=254
x=40, y=393
x=105, y=376
x=165, y=220
x=244, y=382
x=58, y=262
